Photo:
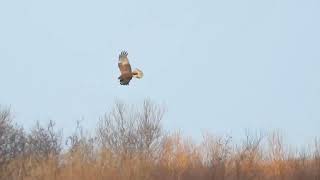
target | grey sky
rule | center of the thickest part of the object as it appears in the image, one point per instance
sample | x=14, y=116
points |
x=221, y=66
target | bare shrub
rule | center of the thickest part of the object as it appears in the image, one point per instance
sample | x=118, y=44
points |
x=248, y=156
x=149, y=129
x=130, y=144
x=12, y=138
x=276, y=156
x=12, y=142
x=130, y=136
x=81, y=141
x=217, y=151
x=316, y=159
x=116, y=130
x=178, y=156
x=126, y=130
x=80, y=157
x=44, y=141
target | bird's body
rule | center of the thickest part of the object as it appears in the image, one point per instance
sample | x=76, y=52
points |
x=125, y=78
x=125, y=69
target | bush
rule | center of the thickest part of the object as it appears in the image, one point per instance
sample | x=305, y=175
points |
x=130, y=143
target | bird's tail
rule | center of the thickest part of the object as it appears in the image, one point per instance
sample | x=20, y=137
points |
x=137, y=73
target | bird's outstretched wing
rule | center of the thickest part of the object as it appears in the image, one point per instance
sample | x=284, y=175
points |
x=123, y=63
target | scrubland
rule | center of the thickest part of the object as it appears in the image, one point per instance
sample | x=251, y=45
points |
x=130, y=143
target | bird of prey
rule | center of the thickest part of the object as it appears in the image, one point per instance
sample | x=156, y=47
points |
x=125, y=69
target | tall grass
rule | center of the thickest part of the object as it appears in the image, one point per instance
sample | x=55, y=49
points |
x=131, y=144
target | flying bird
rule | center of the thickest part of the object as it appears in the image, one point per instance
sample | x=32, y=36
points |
x=125, y=69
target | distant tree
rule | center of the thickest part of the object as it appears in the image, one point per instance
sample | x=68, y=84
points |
x=130, y=129
x=44, y=141
x=12, y=141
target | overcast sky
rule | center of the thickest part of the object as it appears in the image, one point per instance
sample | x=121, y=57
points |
x=221, y=66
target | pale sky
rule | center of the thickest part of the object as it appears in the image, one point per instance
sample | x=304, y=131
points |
x=221, y=66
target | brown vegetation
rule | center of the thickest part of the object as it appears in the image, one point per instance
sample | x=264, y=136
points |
x=130, y=144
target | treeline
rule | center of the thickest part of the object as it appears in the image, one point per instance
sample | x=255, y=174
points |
x=130, y=143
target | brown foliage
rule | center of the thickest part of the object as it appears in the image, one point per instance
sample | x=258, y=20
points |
x=130, y=144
